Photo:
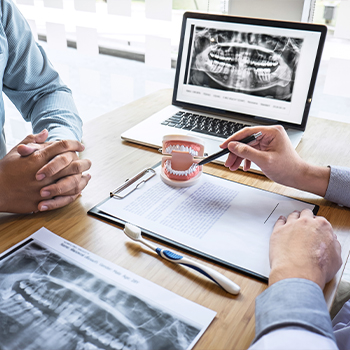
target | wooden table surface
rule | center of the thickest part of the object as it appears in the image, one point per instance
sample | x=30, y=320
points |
x=113, y=161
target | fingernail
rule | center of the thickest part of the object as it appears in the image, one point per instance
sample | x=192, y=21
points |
x=45, y=193
x=44, y=207
x=40, y=177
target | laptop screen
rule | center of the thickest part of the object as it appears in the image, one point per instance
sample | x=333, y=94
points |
x=252, y=68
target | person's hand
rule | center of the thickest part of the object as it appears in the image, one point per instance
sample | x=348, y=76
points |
x=304, y=246
x=274, y=154
x=64, y=166
x=21, y=191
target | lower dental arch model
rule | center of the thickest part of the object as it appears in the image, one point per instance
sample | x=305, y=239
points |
x=179, y=168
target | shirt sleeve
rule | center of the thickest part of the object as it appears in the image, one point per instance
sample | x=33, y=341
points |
x=292, y=304
x=338, y=190
x=31, y=82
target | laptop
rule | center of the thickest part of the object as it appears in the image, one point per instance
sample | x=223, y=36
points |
x=235, y=72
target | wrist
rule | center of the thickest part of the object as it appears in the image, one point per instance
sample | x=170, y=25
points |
x=312, y=178
x=282, y=273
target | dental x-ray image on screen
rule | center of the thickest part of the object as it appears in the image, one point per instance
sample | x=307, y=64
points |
x=48, y=302
x=251, y=63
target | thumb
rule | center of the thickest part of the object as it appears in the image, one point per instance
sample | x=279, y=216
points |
x=26, y=150
x=41, y=137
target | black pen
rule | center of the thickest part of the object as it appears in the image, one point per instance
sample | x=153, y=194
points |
x=226, y=150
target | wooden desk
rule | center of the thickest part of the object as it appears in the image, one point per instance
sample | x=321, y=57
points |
x=114, y=161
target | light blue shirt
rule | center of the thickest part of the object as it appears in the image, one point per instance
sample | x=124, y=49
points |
x=31, y=83
x=292, y=313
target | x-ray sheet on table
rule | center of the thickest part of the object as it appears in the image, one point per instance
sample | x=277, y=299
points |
x=56, y=295
x=226, y=220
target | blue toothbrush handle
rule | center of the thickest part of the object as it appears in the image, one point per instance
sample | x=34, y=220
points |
x=215, y=276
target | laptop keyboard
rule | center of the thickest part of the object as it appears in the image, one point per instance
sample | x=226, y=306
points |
x=203, y=124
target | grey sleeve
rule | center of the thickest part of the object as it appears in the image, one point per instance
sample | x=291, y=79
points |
x=292, y=303
x=338, y=190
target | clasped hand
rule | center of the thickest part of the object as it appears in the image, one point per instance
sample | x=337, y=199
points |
x=37, y=175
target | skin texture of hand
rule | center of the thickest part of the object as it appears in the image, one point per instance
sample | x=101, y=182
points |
x=277, y=158
x=304, y=246
x=42, y=176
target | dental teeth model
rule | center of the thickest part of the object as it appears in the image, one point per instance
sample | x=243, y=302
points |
x=179, y=168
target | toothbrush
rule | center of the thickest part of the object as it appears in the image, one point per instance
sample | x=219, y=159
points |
x=134, y=233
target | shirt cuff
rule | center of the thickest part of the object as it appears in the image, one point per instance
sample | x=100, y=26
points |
x=338, y=186
x=292, y=303
x=61, y=133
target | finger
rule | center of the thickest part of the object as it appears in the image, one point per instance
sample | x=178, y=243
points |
x=55, y=165
x=57, y=202
x=241, y=134
x=308, y=213
x=41, y=137
x=59, y=147
x=236, y=164
x=294, y=215
x=230, y=160
x=26, y=150
x=76, y=167
x=280, y=222
x=247, y=164
x=69, y=185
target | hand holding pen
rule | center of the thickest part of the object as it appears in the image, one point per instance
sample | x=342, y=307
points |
x=214, y=156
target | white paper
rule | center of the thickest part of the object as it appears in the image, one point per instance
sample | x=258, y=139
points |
x=119, y=7
x=57, y=4
x=159, y=9
x=338, y=75
x=85, y=5
x=87, y=41
x=56, y=295
x=224, y=219
x=56, y=35
x=25, y=2
x=342, y=26
x=158, y=52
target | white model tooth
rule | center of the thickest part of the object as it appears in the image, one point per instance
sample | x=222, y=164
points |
x=196, y=153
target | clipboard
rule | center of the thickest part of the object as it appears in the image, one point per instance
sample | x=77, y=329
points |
x=139, y=183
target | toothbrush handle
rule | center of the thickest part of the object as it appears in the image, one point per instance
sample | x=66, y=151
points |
x=215, y=276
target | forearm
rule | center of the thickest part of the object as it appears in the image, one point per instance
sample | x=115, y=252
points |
x=292, y=304
x=57, y=113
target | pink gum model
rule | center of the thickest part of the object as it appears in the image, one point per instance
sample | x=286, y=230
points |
x=179, y=168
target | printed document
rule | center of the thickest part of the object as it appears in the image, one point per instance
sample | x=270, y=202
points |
x=226, y=220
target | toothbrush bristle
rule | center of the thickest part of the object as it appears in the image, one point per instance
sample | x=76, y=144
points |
x=132, y=231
